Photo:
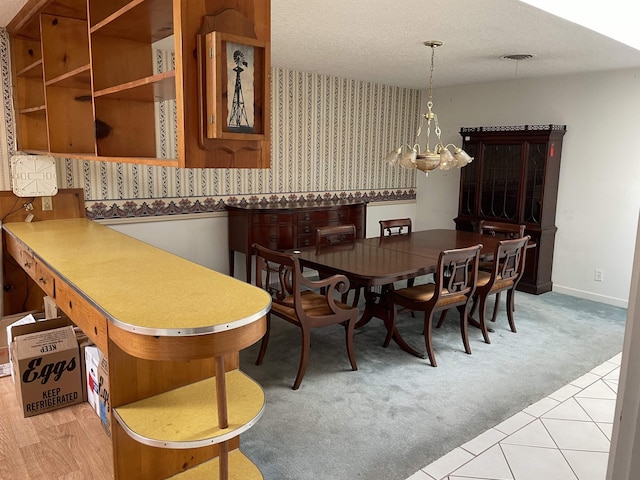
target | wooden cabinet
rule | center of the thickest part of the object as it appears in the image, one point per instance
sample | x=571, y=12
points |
x=514, y=179
x=282, y=227
x=85, y=85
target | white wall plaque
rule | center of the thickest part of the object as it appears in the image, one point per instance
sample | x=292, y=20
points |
x=33, y=175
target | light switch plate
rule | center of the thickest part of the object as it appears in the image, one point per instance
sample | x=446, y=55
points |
x=33, y=175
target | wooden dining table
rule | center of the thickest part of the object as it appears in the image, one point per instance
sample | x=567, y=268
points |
x=381, y=261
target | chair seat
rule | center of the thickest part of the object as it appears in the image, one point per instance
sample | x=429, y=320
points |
x=484, y=277
x=424, y=293
x=314, y=304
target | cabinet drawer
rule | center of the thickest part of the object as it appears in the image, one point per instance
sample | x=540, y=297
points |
x=45, y=280
x=28, y=263
x=306, y=240
x=271, y=218
x=276, y=237
x=84, y=315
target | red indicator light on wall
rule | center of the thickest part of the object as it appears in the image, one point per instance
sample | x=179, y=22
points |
x=551, y=149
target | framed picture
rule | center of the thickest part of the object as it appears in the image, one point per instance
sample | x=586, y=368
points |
x=236, y=86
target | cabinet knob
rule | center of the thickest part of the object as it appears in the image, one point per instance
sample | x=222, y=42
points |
x=273, y=238
x=274, y=218
x=307, y=229
x=42, y=280
x=340, y=215
x=307, y=216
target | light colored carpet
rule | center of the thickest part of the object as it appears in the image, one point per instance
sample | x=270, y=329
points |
x=397, y=414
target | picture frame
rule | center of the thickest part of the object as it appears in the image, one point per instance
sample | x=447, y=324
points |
x=236, y=87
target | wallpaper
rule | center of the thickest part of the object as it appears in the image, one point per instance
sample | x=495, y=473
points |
x=329, y=137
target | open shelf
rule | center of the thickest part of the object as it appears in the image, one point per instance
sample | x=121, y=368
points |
x=78, y=78
x=40, y=108
x=187, y=417
x=33, y=70
x=156, y=88
x=144, y=21
x=240, y=468
x=65, y=45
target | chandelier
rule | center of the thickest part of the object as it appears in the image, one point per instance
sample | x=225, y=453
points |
x=411, y=157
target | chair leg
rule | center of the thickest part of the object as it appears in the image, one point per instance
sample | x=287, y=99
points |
x=304, y=356
x=463, y=328
x=349, y=327
x=483, y=318
x=510, y=309
x=495, y=307
x=356, y=297
x=443, y=316
x=428, y=320
x=265, y=341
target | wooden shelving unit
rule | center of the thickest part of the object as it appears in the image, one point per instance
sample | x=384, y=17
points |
x=86, y=86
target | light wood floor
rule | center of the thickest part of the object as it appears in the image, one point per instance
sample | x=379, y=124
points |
x=63, y=444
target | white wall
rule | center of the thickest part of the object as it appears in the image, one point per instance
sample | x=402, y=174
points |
x=203, y=238
x=599, y=191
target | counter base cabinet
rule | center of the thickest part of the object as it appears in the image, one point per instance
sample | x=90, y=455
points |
x=514, y=179
x=287, y=226
x=176, y=401
x=86, y=86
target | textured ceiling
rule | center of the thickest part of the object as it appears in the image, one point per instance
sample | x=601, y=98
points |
x=382, y=40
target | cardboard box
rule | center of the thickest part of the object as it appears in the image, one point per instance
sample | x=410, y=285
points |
x=104, y=402
x=5, y=337
x=91, y=360
x=51, y=310
x=47, y=366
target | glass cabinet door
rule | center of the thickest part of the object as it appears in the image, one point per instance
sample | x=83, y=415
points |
x=534, y=183
x=501, y=171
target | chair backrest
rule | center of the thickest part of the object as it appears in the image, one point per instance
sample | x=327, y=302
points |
x=333, y=234
x=280, y=275
x=277, y=272
x=501, y=229
x=509, y=260
x=457, y=272
x=397, y=226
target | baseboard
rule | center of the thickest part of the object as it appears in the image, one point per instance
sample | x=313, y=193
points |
x=616, y=302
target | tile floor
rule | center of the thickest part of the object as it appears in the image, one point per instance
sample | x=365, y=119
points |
x=565, y=436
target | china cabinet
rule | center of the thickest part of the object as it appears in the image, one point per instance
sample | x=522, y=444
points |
x=514, y=179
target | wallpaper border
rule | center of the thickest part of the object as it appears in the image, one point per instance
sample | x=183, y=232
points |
x=98, y=210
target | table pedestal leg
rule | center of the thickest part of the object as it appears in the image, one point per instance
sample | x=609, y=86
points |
x=376, y=306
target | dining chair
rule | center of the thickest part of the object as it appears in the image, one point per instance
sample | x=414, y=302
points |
x=295, y=298
x=332, y=235
x=454, y=284
x=502, y=230
x=508, y=266
x=396, y=226
x=393, y=227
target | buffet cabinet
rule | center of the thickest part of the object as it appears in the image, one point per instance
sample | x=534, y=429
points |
x=514, y=179
x=286, y=226
x=87, y=82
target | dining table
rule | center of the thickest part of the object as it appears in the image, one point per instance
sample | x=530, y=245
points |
x=376, y=263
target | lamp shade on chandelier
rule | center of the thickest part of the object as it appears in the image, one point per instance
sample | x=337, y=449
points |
x=442, y=156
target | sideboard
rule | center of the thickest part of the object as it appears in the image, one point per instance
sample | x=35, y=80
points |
x=288, y=225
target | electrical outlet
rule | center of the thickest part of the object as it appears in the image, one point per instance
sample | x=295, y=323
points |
x=47, y=204
x=599, y=275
